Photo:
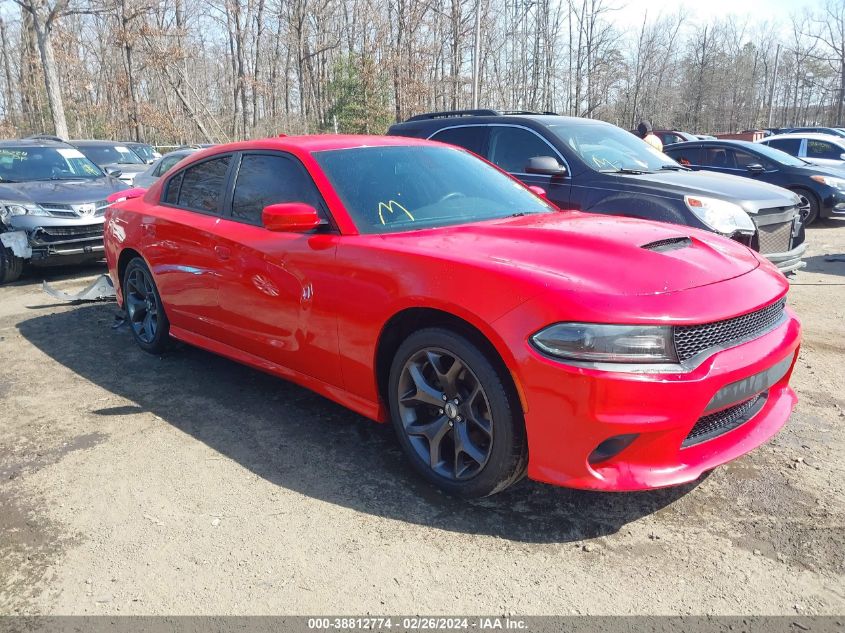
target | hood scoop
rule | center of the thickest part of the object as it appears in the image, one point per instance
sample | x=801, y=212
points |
x=669, y=244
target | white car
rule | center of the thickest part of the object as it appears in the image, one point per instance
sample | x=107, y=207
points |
x=160, y=167
x=820, y=149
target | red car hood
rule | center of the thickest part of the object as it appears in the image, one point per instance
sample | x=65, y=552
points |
x=586, y=252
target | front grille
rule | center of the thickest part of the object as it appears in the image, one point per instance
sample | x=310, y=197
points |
x=72, y=210
x=49, y=234
x=715, y=424
x=775, y=238
x=693, y=339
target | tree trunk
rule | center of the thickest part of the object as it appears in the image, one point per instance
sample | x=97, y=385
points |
x=43, y=35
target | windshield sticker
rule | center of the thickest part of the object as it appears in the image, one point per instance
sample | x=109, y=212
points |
x=122, y=149
x=13, y=154
x=392, y=207
x=70, y=153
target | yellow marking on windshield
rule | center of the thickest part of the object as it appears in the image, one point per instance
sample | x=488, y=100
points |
x=391, y=207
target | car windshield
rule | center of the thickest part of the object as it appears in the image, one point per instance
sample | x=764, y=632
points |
x=111, y=154
x=607, y=148
x=405, y=188
x=22, y=164
x=144, y=151
x=778, y=156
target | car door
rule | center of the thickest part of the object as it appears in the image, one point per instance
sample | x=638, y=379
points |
x=181, y=236
x=511, y=147
x=275, y=289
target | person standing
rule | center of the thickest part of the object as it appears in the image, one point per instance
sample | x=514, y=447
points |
x=644, y=131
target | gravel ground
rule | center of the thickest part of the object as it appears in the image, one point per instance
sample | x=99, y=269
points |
x=188, y=484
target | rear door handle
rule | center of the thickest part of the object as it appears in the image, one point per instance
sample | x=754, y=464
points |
x=222, y=252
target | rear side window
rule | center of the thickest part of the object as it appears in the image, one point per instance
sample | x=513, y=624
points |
x=511, y=148
x=788, y=145
x=822, y=149
x=171, y=196
x=264, y=179
x=473, y=138
x=686, y=155
x=202, y=185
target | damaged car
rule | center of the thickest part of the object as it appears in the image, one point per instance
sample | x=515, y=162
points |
x=52, y=202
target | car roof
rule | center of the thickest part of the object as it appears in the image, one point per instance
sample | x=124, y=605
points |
x=101, y=142
x=818, y=136
x=316, y=143
x=469, y=117
x=35, y=142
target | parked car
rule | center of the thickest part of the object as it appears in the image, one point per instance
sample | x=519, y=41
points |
x=114, y=157
x=668, y=137
x=819, y=149
x=598, y=167
x=412, y=282
x=52, y=202
x=160, y=167
x=833, y=131
x=823, y=188
x=195, y=146
x=145, y=151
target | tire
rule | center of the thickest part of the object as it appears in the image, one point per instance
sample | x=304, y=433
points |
x=11, y=266
x=144, y=311
x=473, y=448
x=813, y=213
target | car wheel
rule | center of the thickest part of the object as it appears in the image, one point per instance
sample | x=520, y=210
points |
x=810, y=208
x=11, y=266
x=455, y=418
x=144, y=311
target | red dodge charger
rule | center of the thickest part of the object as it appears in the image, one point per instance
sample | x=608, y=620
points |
x=413, y=282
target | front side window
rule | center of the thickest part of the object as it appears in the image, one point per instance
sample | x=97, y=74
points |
x=743, y=159
x=403, y=188
x=265, y=179
x=202, y=185
x=511, y=148
x=823, y=149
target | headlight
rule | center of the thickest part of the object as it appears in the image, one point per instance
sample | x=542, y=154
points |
x=830, y=181
x=721, y=216
x=608, y=343
x=9, y=209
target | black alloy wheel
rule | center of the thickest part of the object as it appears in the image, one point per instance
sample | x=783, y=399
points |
x=454, y=415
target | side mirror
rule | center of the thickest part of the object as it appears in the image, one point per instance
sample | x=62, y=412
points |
x=126, y=194
x=114, y=173
x=290, y=217
x=539, y=191
x=755, y=168
x=545, y=165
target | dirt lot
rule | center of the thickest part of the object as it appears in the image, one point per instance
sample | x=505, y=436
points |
x=189, y=484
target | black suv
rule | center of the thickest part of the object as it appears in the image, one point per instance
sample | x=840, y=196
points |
x=598, y=167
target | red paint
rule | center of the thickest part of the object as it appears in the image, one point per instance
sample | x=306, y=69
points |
x=311, y=308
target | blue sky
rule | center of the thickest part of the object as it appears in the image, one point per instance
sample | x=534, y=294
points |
x=779, y=10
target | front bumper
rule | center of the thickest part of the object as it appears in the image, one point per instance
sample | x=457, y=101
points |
x=790, y=260
x=55, y=239
x=571, y=411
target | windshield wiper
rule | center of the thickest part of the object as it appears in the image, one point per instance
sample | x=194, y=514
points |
x=7, y=180
x=628, y=170
x=674, y=168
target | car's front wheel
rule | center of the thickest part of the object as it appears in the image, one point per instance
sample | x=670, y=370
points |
x=11, y=266
x=456, y=419
x=144, y=310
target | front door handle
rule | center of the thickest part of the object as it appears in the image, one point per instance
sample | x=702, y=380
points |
x=222, y=252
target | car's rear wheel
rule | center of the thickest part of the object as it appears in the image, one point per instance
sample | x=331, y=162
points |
x=810, y=208
x=454, y=415
x=144, y=310
x=11, y=266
